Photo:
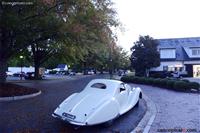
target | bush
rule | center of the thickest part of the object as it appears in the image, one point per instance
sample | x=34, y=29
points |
x=149, y=81
x=156, y=82
x=194, y=85
x=125, y=79
x=170, y=84
x=129, y=79
x=185, y=80
x=162, y=82
x=142, y=80
x=52, y=72
x=181, y=86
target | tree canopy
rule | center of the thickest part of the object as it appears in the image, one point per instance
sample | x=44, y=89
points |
x=144, y=55
x=75, y=31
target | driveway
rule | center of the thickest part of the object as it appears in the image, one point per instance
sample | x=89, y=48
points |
x=175, y=110
x=34, y=115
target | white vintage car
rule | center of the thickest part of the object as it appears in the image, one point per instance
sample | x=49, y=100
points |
x=101, y=101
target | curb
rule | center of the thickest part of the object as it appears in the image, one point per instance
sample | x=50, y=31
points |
x=147, y=120
x=14, y=98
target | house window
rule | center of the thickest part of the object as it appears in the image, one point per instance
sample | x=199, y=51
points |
x=171, y=69
x=165, y=68
x=195, y=52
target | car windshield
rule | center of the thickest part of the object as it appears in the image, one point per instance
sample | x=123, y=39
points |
x=99, y=86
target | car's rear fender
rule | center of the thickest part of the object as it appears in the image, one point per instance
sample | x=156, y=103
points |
x=105, y=112
x=67, y=99
x=134, y=96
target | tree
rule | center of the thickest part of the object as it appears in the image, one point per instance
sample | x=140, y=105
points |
x=13, y=32
x=46, y=27
x=144, y=55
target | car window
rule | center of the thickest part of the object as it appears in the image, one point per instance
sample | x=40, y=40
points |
x=99, y=86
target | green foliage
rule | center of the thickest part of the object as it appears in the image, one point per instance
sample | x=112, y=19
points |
x=181, y=86
x=194, y=85
x=178, y=85
x=75, y=31
x=144, y=55
x=52, y=72
x=185, y=80
x=162, y=83
x=170, y=84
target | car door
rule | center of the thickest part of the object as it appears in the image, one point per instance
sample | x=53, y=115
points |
x=122, y=96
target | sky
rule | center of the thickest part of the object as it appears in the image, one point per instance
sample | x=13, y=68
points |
x=158, y=19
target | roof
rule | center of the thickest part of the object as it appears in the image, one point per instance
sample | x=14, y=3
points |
x=181, y=45
x=111, y=85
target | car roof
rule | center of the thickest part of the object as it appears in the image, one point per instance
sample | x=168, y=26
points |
x=111, y=85
x=107, y=81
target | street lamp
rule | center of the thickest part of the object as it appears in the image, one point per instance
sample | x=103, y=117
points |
x=21, y=58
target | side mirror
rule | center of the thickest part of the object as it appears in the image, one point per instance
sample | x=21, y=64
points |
x=122, y=89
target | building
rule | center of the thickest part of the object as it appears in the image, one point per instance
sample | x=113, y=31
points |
x=180, y=54
x=61, y=67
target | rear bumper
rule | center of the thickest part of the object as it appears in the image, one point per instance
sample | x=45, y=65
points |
x=69, y=121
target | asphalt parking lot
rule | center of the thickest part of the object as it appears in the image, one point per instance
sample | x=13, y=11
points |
x=34, y=115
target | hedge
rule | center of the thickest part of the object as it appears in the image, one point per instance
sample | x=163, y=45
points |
x=53, y=72
x=181, y=86
x=178, y=85
x=194, y=85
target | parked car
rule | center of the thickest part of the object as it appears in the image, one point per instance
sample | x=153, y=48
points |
x=72, y=73
x=91, y=72
x=19, y=74
x=179, y=74
x=29, y=75
x=9, y=73
x=101, y=101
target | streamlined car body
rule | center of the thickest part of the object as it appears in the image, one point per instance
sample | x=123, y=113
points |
x=101, y=101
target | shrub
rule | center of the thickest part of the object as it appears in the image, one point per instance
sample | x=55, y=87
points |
x=170, y=84
x=129, y=79
x=142, y=80
x=181, y=86
x=156, y=82
x=194, y=85
x=162, y=82
x=149, y=81
x=126, y=79
x=185, y=80
x=52, y=72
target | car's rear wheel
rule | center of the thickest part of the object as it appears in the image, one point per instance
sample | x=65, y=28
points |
x=140, y=96
x=137, y=104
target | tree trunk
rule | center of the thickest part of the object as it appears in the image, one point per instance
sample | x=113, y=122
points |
x=147, y=73
x=3, y=69
x=37, y=66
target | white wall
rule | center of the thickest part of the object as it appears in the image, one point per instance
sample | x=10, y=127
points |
x=169, y=64
x=18, y=69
